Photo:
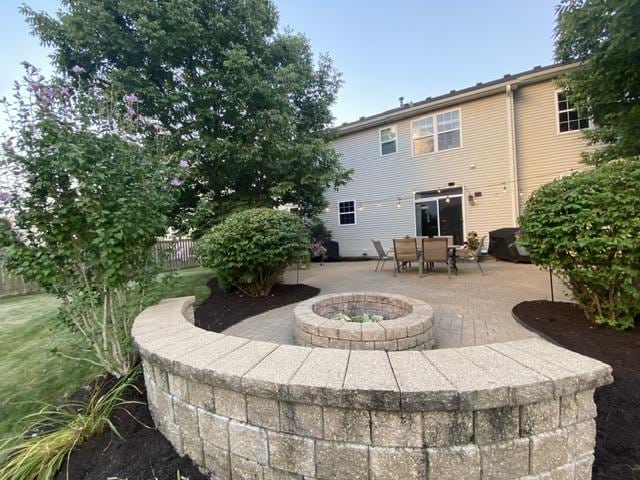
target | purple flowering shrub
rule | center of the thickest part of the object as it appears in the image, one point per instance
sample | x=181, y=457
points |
x=88, y=190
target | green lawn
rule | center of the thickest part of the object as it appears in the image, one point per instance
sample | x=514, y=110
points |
x=29, y=371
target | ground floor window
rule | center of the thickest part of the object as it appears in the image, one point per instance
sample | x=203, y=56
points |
x=439, y=213
x=347, y=212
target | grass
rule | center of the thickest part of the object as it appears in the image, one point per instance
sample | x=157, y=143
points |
x=30, y=374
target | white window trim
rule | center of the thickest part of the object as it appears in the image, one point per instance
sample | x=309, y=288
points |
x=568, y=132
x=417, y=201
x=395, y=130
x=355, y=212
x=436, y=145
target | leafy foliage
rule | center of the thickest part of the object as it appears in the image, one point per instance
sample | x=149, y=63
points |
x=245, y=102
x=54, y=431
x=88, y=200
x=585, y=227
x=603, y=36
x=361, y=318
x=250, y=249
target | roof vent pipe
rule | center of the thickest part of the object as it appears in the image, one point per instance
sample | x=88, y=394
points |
x=401, y=100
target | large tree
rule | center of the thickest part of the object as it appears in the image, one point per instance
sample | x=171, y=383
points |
x=604, y=35
x=245, y=105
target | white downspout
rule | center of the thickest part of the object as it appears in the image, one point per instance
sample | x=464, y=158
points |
x=513, y=156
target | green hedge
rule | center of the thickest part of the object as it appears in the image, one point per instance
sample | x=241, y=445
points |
x=251, y=248
x=586, y=227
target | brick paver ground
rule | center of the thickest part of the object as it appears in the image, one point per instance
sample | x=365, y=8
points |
x=470, y=309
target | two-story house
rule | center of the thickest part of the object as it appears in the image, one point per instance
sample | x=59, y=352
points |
x=460, y=162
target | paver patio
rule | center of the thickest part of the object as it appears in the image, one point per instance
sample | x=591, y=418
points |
x=470, y=309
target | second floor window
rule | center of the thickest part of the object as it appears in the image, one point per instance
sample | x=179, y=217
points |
x=347, y=212
x=569, y=119
x=436, y=132
x=388, y=141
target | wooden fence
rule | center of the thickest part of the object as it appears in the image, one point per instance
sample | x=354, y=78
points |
x=174, y=254
x=14, y=285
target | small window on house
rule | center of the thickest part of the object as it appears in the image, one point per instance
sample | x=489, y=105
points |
x=388, y=140
x=347, y=212
x=422, y=136
x=569, y=119
x=448, y=130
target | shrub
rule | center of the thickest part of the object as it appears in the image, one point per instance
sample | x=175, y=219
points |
x=88, y=197
x=251, y=248
x=54, y=431
x=586, y=228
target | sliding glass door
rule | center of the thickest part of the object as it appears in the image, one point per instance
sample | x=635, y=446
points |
x=439, y=216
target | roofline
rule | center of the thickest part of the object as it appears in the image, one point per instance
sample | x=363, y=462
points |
x=480, y=90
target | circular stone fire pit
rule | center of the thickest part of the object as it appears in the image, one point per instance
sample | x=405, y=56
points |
x=407, y=324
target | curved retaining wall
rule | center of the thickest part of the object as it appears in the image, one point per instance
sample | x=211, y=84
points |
x=408, y=323
x=249, y=409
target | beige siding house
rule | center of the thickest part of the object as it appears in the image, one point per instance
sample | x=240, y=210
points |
x=448, y=165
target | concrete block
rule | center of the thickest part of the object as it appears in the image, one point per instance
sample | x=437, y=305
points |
x=350, y=331
x=248, y=442
x=192, y=364
x=192, y=447
x=539, y=417
x=229, y=369
x=496, y=425
x=201, y=395
x=317, y=341
x=396, y=429
x=395, y=329
x=584, y=467
x=291, y=453
x=443, y=429
x=369, y=381
x=404, y=463
x=406, y=343
x=582, y=438
x=586, y=405
x=320, y=376
x=373, y=332
x=214, y=429
x=341, y=460
x=263, y=412
x=160, y=377
x=477, y=387
x=454, y=463
x=270, y=376
x=549, y=450
x=421, y=385
x=343, y=344
x=505, y=460
x=568, y=410
x=244, y=469
x=347, y=425
x=275, y=474
x=301, y=419
x=387, y=345
x=230, y=404
x=178, y=387
x=355, y=345
x=186, y=416
x=329, y=328
x=217, y=461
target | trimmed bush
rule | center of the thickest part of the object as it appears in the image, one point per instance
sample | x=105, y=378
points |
x=251, y=248
x=586, y=227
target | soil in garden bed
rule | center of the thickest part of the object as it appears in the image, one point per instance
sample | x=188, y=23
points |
x=224, y=309
x=142, y=454
x=618, y=421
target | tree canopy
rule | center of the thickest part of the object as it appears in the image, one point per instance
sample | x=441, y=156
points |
x=604, y=35
x=246, y=105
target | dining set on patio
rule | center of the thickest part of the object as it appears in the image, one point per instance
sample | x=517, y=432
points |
x=427, y=253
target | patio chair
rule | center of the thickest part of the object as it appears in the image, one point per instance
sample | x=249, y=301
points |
x=448, y=237
x=383, y=256
x=475, y=255
x=405, y=250
x=435, y=250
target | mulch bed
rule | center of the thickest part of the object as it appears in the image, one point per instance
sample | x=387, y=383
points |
x=618, y=422
x=142, y=454
x=224, y=309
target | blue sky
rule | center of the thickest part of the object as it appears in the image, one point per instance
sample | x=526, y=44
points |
x=383, y=49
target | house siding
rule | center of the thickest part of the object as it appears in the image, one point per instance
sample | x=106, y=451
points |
x=381, y=179
x=543, y=153
x=483, y=164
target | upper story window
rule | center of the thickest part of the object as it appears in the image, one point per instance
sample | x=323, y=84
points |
x=347, y=212
x=569, y=119
x=388, y=140
x=436, y=132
